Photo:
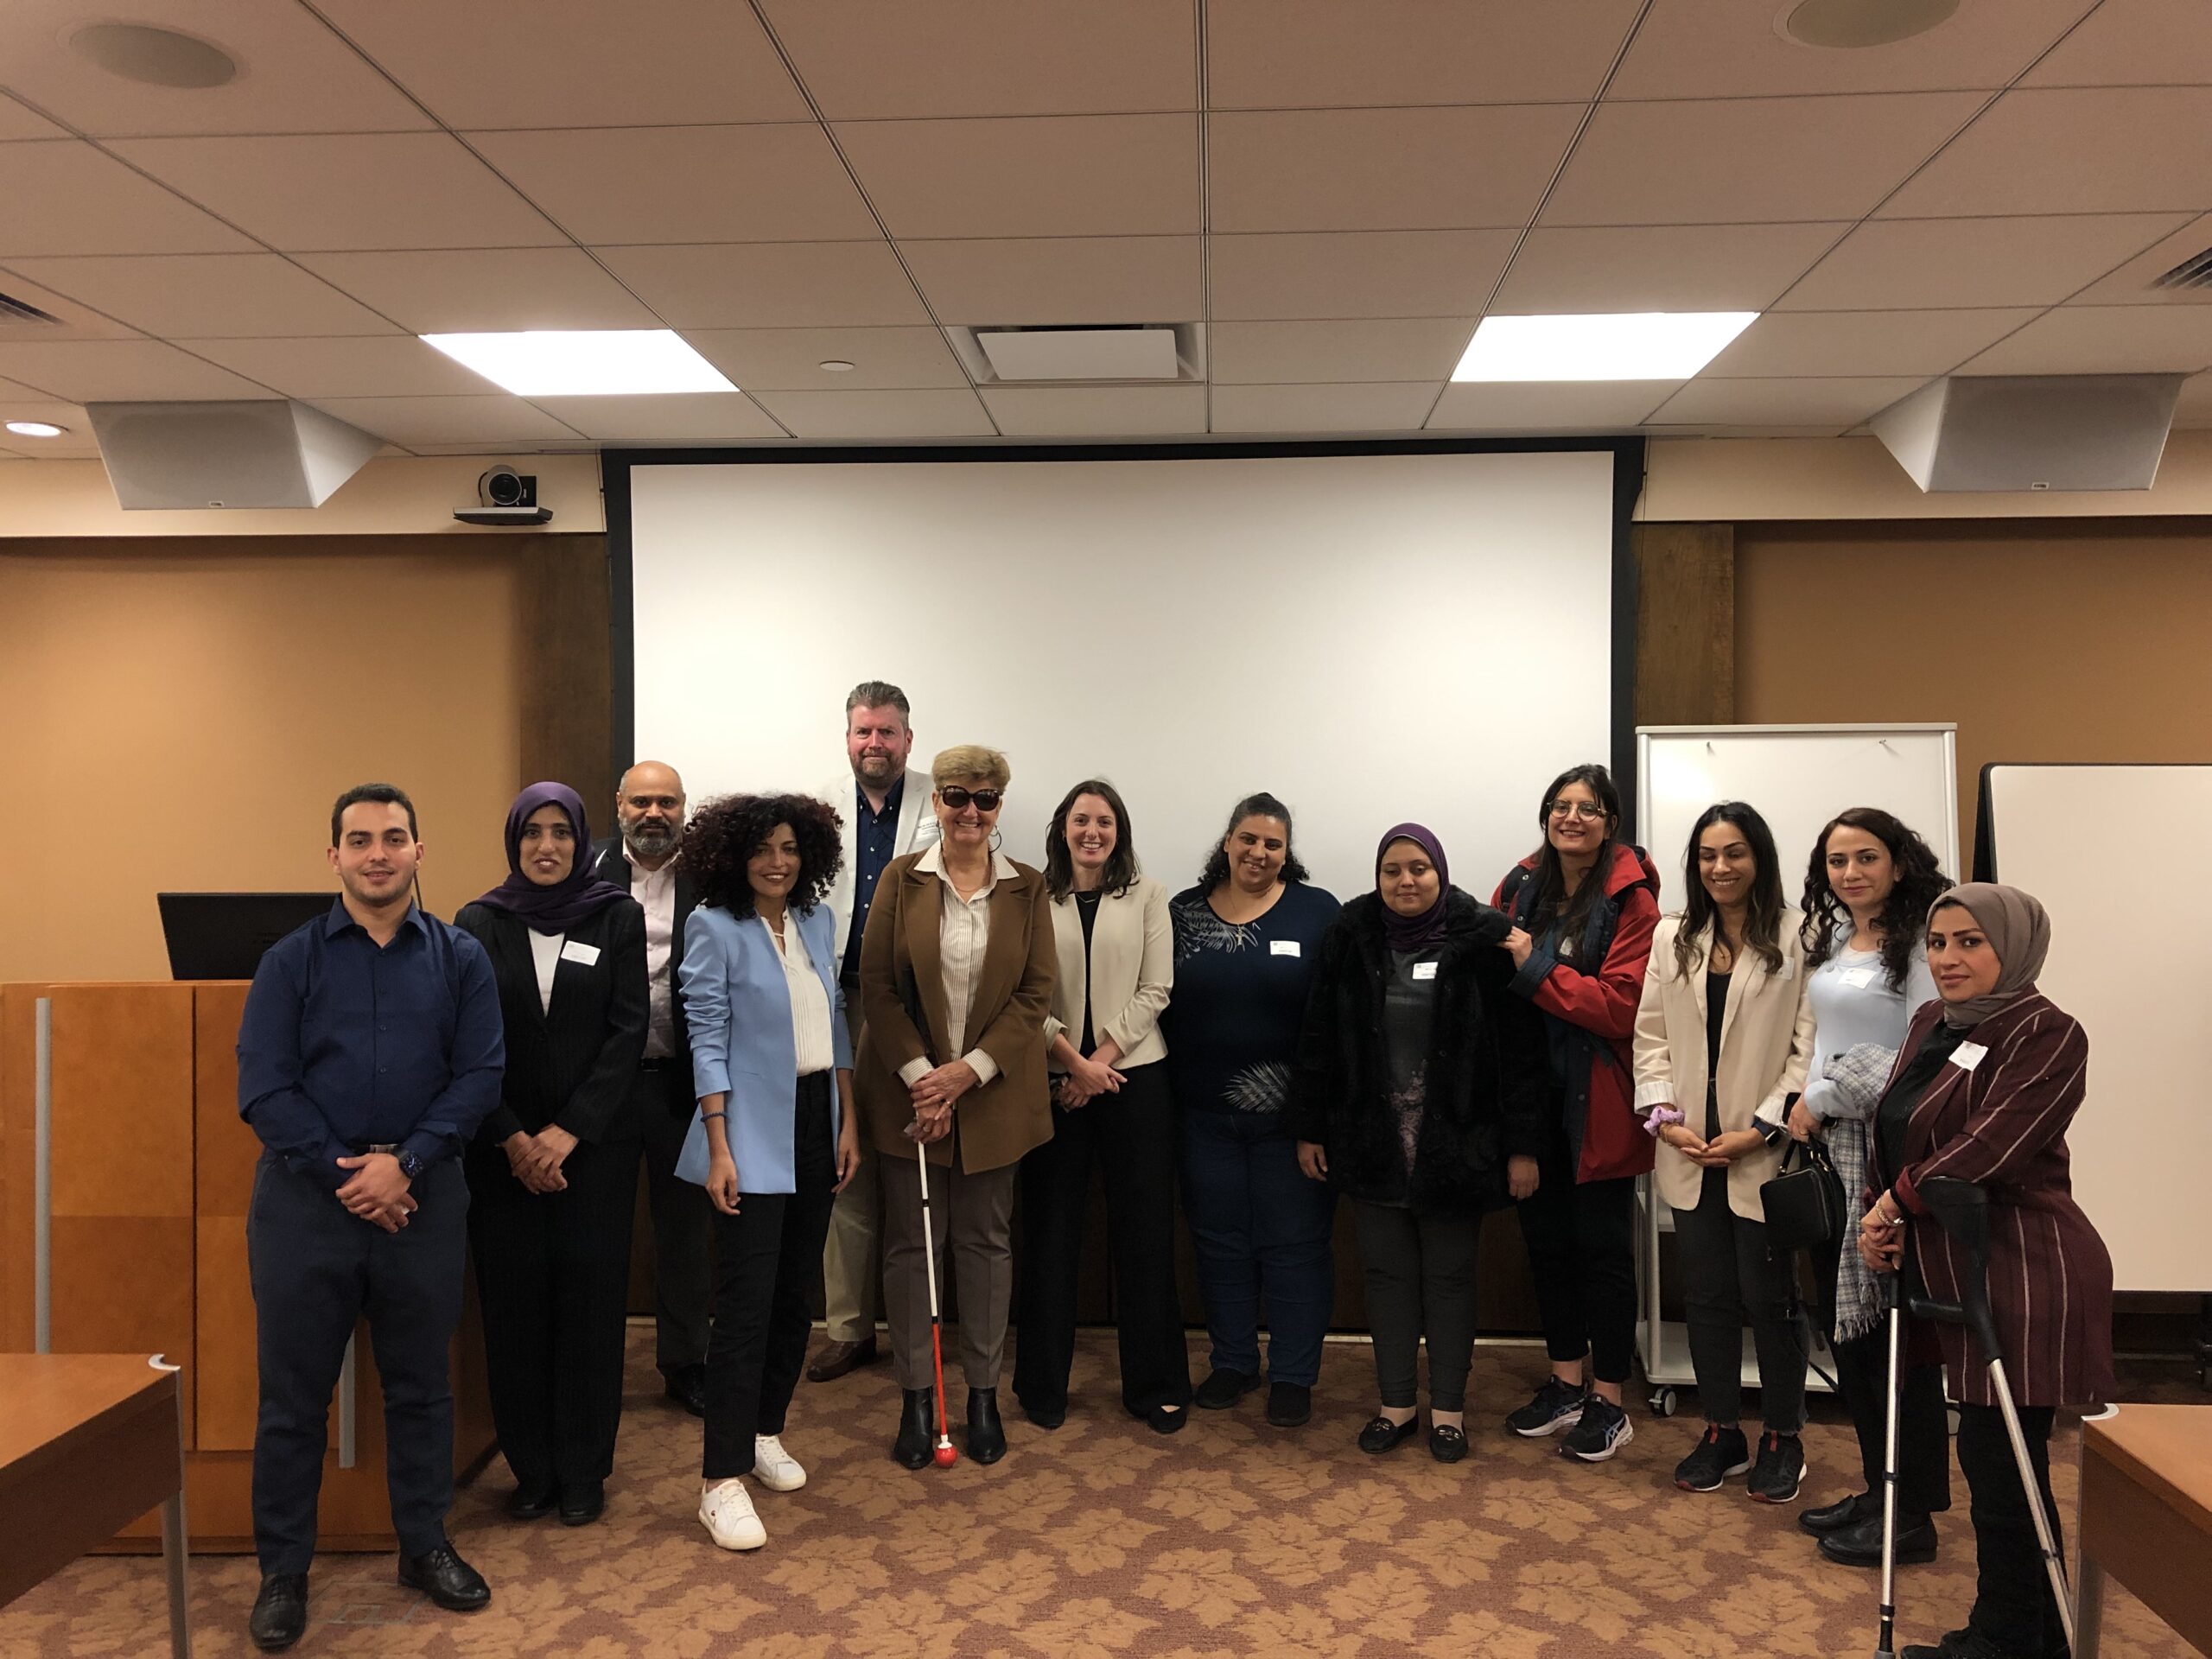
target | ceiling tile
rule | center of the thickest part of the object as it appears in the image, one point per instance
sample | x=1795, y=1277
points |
x=1923, y=343
x=1731, y=49
x=76, y=443
x=1660, y=268
x=72, y=320
x=1808, y=401
x=348, y=190
x=1380, y=273
x=383, y=366
x=2069, y=150
x=18, y=121
x=297, y=76
x=684, y=184
x=2133, y=43
x=789, y=359
x=490, y=419
x=879, y=414
x=1062, y=279
x=1096, y=412
x=771, y=284
x=1383, y=169
x=1907, y=264
x=214, y=295
x=1547, y=405
x=1064, y=175
x=459, y=290
x=1322, y=409
x=119, y=370
x=1399, y=348
x=569, y=63
x=1735, y=160
x=684, y=417
x=2104, y=339
x=69, y=198
x=862, y=59
x=1288, y=55
x=2134, y=282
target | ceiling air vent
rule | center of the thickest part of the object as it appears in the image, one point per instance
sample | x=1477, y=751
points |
x=2196, y=271
x=17, y=312
x=1119, y=355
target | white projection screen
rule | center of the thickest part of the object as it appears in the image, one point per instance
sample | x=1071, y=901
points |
x=1372, y=637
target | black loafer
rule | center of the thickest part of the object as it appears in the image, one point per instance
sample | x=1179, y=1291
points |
x=1222, y=1390
x=1382, y=1435
x=986, y=1435
x=447, y=1580
x=524, y=1505
x=916, y=1429
x=280, y=1611
x=583, y=1505
x=1289, y=1404
x=1446, y=1442
x=1167, y=1420
x=1861, y=1544
x=688, y=1388
x=1835, y=1517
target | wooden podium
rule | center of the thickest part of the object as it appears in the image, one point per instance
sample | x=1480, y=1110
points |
x=148, y=1173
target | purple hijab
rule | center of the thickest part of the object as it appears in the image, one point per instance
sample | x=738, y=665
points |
x=1415, y=933
x=576, y=897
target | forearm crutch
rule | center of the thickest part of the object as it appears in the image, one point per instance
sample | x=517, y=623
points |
x=945, y=1454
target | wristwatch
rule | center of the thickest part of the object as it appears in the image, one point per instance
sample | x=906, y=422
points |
x=410, y=1166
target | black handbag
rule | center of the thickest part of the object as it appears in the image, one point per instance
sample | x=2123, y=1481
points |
x=1804, y=1206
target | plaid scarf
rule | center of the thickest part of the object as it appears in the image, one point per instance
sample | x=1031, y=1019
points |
x=1860, y=1075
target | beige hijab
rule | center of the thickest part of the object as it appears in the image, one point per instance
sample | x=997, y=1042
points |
x=2019, y=931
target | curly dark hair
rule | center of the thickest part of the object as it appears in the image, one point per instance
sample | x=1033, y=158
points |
x=1258, y=805
x=726, y=831
x=1701, y=916
x=1060, y=862
x=1919, y=883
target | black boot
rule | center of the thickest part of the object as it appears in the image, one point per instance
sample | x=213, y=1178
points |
x=986, y=1435
x=917, y=1428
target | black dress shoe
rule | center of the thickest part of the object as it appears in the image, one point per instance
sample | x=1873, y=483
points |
x=1222, y=1390
x=280, y=1611
x=581, y=1505
x=1046, y=1416
x=1166, y=1419
x=1382, y=1435
x=1289, y=1404
x=447, y=1580
x=1844, y=1512
x=525, y=1504
x=916, y=1429
x=986, y=1435
x=687, y=1387
x=1860, y=1543
x=838, y=1357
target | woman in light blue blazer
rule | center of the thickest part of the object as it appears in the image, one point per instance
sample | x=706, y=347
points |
x=775, y=1138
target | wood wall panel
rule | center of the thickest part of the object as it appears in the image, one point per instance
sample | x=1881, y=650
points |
x=567, y=699
x=1685, y=624
x=123, y=1103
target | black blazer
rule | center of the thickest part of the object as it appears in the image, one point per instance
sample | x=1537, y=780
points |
x=608, y=864
x=573, y=1064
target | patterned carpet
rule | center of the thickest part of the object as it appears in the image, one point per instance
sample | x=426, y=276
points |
x=1106, y=1541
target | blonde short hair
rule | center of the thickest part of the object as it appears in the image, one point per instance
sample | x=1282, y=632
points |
x=970, y=763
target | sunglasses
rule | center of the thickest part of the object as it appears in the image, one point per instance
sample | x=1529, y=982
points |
x=986, y=800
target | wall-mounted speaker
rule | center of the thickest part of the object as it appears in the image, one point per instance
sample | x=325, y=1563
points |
x=2033, y=432
x=251, y=453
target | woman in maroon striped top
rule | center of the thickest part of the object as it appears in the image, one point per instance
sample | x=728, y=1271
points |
x=1989, y=1080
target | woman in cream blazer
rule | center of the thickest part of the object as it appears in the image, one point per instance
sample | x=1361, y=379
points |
x=1111, y=1104
x=1722, y=1036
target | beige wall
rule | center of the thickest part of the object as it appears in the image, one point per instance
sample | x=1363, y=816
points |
x=2076, y=641
x=180, y=714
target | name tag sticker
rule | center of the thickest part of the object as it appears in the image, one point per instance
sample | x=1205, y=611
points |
x=1424, y=970
x=1856, y=977
x=1283, y=948
x=1967, y=1056
x=577, y=952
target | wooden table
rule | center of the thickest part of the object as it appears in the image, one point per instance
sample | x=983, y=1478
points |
x=88, y=1443
x=2146, y=1518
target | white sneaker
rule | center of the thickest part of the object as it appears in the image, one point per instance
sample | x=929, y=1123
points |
x=728, y=1511
x=775, y=1468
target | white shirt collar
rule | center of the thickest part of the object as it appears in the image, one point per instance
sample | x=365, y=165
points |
x=933, y=862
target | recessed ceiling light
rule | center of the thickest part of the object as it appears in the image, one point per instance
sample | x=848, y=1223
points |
x=36, y=428
x=155, y=57
x=584, y=363
x=1632, y=345
x=1850, y=24
x=835, y=365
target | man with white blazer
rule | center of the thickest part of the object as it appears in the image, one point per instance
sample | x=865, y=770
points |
x=886, y=813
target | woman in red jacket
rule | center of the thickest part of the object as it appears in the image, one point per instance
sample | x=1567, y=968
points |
x=1584, y=905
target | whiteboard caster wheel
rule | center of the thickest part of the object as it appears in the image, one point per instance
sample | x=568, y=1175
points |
x=1663, y=1403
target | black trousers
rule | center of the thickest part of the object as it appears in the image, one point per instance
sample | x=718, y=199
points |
x=1727, y=1275
x=1862, y=1375
x=553, y=1277
x=2014, y=1608
x=315, y=1271
x=767, y=1257
x=1132, y=1134
x=683, y=1220
x=1421, y=1281
x=1581, y=1240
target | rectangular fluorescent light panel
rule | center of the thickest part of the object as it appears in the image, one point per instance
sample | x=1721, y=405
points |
x=584, y=363
x=1628, y=345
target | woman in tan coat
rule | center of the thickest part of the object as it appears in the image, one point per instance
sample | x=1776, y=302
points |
x=1722, y=1036
x=957, y=970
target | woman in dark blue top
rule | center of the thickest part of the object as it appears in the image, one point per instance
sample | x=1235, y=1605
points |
x=1245, y=940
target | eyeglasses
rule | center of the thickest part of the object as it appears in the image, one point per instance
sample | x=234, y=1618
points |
x=986, y=800
x=1575, y=810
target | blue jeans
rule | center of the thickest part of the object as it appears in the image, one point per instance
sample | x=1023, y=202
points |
x=1260, y=1228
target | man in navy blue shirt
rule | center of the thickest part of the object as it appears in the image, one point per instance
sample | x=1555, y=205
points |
x=369, y=1050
